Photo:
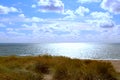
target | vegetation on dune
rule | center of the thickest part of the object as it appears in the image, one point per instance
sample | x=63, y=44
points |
x=60, y=68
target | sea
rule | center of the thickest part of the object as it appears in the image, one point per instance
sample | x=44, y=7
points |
x=73, y=50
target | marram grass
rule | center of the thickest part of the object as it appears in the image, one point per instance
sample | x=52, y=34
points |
x=58, y=67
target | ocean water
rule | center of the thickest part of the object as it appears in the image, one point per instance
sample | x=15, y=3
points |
x=73, y=50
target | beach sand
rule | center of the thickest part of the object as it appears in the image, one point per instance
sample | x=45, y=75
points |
x=116, y=64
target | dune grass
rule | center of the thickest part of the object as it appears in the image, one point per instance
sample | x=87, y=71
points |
x=60, y=68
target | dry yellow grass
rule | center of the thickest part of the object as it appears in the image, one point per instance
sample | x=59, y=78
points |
x=54, y=68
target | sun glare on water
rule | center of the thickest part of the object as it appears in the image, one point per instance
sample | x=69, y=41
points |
x=70, y=49
x=71, y=45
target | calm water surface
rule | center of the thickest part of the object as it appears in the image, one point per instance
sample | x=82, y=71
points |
x=74, y=50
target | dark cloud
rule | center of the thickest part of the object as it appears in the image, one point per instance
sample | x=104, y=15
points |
x=107, y=24
x=51, y=8
x=51, y=5
x=111, y=5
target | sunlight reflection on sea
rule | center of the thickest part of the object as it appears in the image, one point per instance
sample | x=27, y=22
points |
x=73, y=50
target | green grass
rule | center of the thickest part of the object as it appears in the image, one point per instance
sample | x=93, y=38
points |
x=61, y=68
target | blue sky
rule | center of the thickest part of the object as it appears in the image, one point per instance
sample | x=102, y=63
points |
x=38, y=21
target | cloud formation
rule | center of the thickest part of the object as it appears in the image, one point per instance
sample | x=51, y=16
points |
x=111, y=5
x=6, y=10
x=101, y=15
x=26, y=19
x=79, y=12
x=88, y=1
x=77, y=22
x=2, y=25
x=101, y=19
x=51, y=5
x=69, y=14
x=82, y=10
x=107, y=24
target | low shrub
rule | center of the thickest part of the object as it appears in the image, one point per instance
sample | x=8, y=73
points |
x=41, y=67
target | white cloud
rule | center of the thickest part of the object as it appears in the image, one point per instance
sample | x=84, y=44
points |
x=34, y=27
x=61, y=31
x=69, y=14
x=3, y=37
x=82, y=10
x=36, y=19
x=88, y=1
x=22, y=15
x=2, y=25
x=6, y=10
x=101, y=20
x=51, y=5
x=14, y=33
x=9, y=29
x=20, y=18
x=111, y=5
x=33, y=6
x=117, y=30
x=101, y=15
x=14, y=37
x=74, y=14
x=57, y=28
x=32, y=19
x=51, y=29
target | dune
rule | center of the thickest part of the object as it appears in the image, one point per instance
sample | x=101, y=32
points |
x=47, y=67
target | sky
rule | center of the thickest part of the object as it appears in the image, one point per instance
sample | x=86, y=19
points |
x=43, y=21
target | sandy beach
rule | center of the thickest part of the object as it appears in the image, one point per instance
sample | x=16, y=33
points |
x=116, y=64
